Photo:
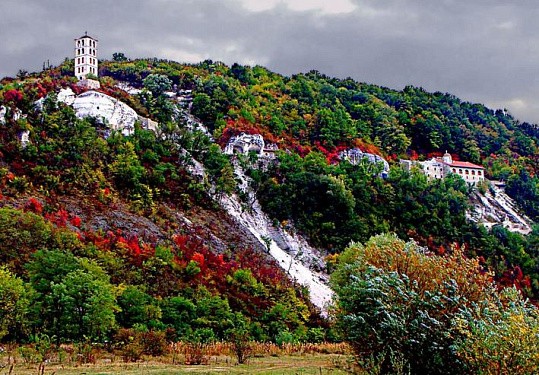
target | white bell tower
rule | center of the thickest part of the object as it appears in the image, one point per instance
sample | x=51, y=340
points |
x=85, y=56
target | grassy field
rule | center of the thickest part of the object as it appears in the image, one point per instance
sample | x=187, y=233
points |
x=317, y=364
x=217, y=358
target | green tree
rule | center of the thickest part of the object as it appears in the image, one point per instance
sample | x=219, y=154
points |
x=500, y=336
x=119, y=57
x=21, y=233
x=135, y=307
x=213, y=312
x=179, y=312
x=73, y=296
x=220, y=171
x=14, y=303
x=88, y=302
x=127, y=169
x=397, y=303
x=240, y=337
x=204, y=109
x=157, y=84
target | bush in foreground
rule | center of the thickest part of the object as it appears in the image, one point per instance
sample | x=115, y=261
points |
x=405, y=310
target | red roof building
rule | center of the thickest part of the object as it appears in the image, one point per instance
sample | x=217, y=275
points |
x=442, y=167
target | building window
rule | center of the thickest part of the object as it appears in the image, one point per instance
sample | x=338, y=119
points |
x=467, y=172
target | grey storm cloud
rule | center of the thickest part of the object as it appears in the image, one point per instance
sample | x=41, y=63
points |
x=483, y=51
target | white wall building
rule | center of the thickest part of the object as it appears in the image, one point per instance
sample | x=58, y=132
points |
x=442, y=167
x=85, y=56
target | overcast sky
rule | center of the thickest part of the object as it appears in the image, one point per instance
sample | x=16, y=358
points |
x=483, y=51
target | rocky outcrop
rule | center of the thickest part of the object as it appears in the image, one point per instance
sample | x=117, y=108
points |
x=355, y=156
x=494, y=207
x=110, y=111
x=245, y=143
x=114, y=113
x=303, y=263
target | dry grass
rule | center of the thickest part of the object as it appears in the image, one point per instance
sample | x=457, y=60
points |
x=265, y=358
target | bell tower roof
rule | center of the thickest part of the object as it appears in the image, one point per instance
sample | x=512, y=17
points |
x=447, y=158
x=87, y=36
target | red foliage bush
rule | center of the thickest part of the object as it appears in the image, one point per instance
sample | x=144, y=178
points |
x=199, y=258
x=75, y=221
x=59, y=218
x=515, y=277
x=33, y=205
x=132, y=244
x=13, y=96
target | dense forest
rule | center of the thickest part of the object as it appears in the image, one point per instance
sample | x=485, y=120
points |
x=92, y=245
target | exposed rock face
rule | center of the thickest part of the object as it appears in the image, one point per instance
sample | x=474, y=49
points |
x=244, y=143
x=354, y=156
x=303, y=263
x=4, y=112
x=148, y=124
x=114, y=113
x=66, y=96
x=118, y=115
x=91, y=84
x=128, y=88
x=25, y=138
x=497, y=208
